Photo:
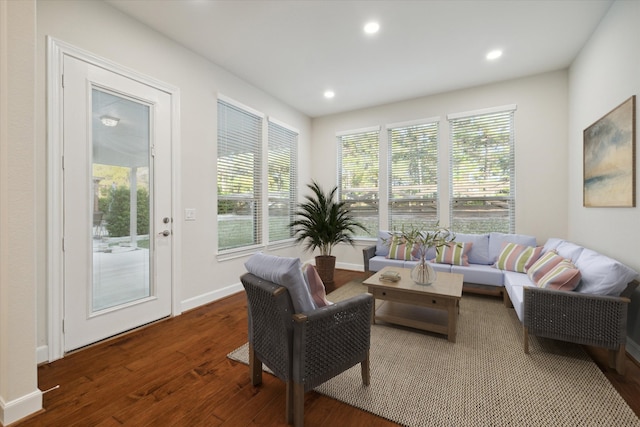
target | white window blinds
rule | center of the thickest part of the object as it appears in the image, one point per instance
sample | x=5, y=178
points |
x=358, y=166
x=239, y=170
x=482, y=176
x=283, y=180
x=413, y=174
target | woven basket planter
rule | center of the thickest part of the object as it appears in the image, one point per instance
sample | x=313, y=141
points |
x=326, y=265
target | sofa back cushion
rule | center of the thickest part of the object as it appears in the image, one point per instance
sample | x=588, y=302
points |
x=479, y=252
x=497, y=239
x=602, y=275
x=285, y=272
x=382, y=244
x=551, y=244
x=569, y=250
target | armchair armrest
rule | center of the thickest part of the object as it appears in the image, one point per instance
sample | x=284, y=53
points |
x=579, y=318
x=368, y=253
x=331, y=339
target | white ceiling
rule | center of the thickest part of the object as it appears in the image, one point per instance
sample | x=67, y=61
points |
x=295, y=50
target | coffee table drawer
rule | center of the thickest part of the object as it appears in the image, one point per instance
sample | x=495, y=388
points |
x=409, y=298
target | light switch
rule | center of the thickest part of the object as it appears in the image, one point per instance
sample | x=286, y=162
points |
x=189, y=214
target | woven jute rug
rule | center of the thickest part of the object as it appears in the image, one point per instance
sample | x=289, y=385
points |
x=483, y=379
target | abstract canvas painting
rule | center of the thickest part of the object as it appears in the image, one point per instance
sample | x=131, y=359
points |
x=610, y=158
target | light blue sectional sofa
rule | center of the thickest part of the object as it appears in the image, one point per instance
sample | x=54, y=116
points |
x=594, y=313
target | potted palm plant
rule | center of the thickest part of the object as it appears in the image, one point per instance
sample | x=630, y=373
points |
x=321, y=224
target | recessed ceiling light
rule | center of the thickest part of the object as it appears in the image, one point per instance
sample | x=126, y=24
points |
x=371, y=27
x=494, y=54
x=109, y=121
x=329, y=94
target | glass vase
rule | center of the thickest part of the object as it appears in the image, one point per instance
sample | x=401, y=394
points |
x=423, y=273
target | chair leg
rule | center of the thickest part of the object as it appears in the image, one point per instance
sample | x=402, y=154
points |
x=290, y=403
x=298, y=405
x=617, y=359
x=255, y=367
x=526, y=339
x=366, y=371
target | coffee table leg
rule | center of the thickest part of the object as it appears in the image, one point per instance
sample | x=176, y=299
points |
x=452, y=324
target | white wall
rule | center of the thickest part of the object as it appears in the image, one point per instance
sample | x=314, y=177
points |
x=606, y=73
x=541, y=146
x=19, y=394
x=104, y=31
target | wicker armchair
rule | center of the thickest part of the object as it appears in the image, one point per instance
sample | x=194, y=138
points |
x=586, y=319
x=304, y=350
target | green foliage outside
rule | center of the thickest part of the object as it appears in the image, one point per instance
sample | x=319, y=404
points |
x=118, y=212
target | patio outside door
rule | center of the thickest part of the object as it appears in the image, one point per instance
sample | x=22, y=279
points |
x=117, y=203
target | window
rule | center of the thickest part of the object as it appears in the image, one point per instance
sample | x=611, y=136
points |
x=239, y=173
x=413, y=174
x=358, y=166
x=283, y=180
x=482, y=174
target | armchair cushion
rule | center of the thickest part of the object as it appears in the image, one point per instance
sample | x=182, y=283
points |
x=286, y=272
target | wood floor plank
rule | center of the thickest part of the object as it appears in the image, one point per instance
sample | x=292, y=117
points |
x=175, y=373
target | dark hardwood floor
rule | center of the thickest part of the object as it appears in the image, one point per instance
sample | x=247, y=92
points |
x=176, y=373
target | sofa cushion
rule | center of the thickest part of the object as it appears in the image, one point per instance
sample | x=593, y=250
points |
x=398, y=249
x=602, y=275
x=543, y=265
x=563, y=277
x=551, y=244
x=454, y=253
x=382, y=244
x=497, y=239
x=515, y=257
x=377, y=263
x=285, y=272
x=514, y=283
x=479, y=252
x=479, y=274
x=316, y=287
x=569, y=250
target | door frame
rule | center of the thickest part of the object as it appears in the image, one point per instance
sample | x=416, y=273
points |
x=56, y=51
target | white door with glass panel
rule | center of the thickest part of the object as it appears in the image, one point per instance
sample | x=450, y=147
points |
x=117, y=203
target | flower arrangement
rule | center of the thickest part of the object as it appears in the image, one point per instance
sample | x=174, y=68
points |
x=421, y=241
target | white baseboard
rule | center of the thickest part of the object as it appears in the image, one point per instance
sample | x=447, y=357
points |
x=212, y=296
x=42, y=354
x=19, y=408
x=633, y=349
x=352, y=267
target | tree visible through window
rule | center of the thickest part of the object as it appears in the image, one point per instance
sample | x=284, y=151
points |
x=283, y=180
x=239, y=177
x=482, y=186
x=358, y=167
x=413, y=174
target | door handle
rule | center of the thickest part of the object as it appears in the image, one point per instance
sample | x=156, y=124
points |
x=165, y=233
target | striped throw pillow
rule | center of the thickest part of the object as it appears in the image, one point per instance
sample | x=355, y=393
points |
x=454, y=253
x=398, y=249
x=515, y=257
x=563, y=277
x=543, y=265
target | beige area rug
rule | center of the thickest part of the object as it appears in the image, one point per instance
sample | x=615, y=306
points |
x=483, y=379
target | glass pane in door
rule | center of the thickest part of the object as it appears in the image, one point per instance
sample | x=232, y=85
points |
x=121, y=205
